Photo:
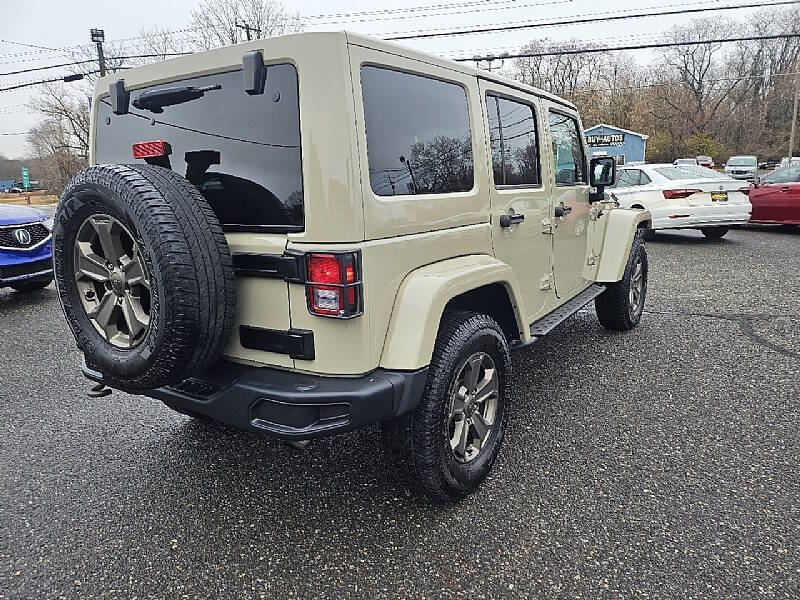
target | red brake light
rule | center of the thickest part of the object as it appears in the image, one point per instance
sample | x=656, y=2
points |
x=332, y=285
x=676, y=194
x=151, y=149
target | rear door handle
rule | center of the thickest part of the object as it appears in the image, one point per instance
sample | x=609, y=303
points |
x=509, y=220
x=786, y=189
x=562, y=211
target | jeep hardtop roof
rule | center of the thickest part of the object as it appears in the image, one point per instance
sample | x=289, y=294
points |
x=218, y=59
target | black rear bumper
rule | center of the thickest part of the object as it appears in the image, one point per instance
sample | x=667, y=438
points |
x=288, y=405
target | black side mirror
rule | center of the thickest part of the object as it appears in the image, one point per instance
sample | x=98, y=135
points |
x=602, y=173
x=756, y=180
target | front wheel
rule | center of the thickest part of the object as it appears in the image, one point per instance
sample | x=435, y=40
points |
x=448, y=444
x=714, y=233
x=620, y=306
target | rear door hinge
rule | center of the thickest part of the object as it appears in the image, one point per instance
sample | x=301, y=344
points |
x=546, y=282
x=547, y=226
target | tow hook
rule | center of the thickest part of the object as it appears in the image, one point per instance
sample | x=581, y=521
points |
x=98, y=391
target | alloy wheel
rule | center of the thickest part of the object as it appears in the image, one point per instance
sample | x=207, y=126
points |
x=637, y=287
x=112, y=281
x=473, y=407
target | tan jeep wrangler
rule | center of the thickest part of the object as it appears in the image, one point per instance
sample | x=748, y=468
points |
x=304, y=235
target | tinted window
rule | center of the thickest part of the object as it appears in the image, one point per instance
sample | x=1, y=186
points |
x=786, y=175
x=241, y=151
x=418, y=134
x=567, y=149
x=644, y=179
x=512, y=134
x=689, y=172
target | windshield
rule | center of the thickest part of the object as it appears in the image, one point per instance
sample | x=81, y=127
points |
x=686, y=161
x=689, y=172
x=241, y=151
x=742, y=161
x=785, y=175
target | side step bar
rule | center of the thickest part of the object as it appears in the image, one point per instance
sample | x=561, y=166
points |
x=550, y=321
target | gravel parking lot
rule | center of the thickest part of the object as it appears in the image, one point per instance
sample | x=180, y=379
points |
x=659, y=463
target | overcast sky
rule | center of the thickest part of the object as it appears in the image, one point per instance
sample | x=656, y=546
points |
x=61, y=23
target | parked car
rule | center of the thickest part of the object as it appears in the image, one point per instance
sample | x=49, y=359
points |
x=685, y=161
x=742, y=167
x=786, y=161
x=684, y=197
x=26, y=248
x=776, y=197
x=705, y=161
x=383, y=274
x=769, y=165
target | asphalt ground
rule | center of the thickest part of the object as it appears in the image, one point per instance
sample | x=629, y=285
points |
x=659, y=463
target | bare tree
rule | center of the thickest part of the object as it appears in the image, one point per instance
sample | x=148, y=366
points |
x=51, y=146
x=214, y=23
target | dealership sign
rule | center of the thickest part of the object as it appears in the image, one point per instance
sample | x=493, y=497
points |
x=610, y=139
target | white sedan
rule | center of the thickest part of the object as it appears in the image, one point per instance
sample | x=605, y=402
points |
x=684, y=197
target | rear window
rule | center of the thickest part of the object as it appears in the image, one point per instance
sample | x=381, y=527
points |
x=418, y=134
x=689, y=172
x=241, y=151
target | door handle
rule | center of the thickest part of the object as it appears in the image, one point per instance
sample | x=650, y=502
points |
x=785, y=190
x=562, y=211
x=509, y=220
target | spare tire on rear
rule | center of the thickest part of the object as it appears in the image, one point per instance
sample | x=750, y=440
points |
x=144, y=275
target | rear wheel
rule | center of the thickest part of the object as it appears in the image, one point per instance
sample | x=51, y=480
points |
x=448, y=444
x=714, y=233
x=620, y=306
x=32, y=286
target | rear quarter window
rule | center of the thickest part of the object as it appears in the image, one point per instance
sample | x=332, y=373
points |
x=418, y=133
x=241, y=151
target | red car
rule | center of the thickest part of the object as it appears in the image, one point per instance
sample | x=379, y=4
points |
x=705, y=161
x=776, y=197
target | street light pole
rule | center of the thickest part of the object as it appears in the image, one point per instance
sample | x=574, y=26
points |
x=98, y=36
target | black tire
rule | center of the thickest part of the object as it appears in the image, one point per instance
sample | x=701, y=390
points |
x=184, y=251
x=613, y=307
x=32, y=286
x=714, y=233
x=419, y=442
x=648, y=234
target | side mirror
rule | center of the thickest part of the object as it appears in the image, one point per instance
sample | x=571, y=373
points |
x=602, y=173
x=756, y=180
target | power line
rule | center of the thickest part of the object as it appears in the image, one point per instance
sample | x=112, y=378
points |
x=18, y=133
x=636, y=47
x=93, y=60
x=65, y=78
x=426, y=34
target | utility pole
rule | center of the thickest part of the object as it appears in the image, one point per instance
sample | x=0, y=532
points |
x=248, y=29
x=407, y=163
x=794, y=113
x=98, y=36
x=391, y=183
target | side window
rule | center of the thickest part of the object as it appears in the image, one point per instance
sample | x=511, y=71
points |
x=567, y=149
x=644, y=179
x=418, y=134
x=627, y=178
x=514, y=143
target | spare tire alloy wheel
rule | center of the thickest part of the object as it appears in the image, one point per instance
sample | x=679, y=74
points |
x=144, y=275
x=473, y=407
x=112, y=280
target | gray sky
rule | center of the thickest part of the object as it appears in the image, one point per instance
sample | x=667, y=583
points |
x=62, y=23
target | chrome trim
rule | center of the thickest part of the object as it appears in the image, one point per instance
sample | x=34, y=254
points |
x=29, y=248
x=27, y=276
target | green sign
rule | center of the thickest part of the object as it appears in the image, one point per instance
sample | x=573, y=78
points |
x=26, y=180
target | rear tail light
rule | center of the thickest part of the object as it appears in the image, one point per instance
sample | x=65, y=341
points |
x=151, y=149
x=676, y=194
x=745, y=190
x=333, y=284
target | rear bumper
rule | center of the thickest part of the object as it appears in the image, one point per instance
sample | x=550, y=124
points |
x=292, y=406
x=691, y=217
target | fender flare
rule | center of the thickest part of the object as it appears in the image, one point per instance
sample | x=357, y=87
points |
x=423, y=296
x=621, y=227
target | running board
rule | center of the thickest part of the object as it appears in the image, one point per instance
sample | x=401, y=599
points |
x=550, y=321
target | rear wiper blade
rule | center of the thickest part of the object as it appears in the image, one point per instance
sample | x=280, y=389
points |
x=156, y=100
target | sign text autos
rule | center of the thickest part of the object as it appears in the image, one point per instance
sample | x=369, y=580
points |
x=610, y=139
